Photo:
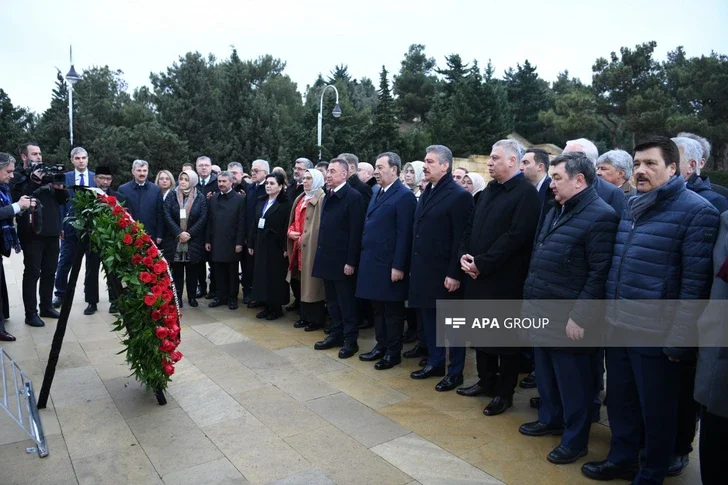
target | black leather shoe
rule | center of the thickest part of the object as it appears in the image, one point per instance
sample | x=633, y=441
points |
x=199, y=293
x=561, y=455
x=428, y=371
x=606, y=470
x=6, y=337
x=409, y=337
x=528, y=382
x=256, y=304
x=312, y=327
x=293, y=306
x=113, y=308
x=181, y=303
x=415, y=352
x=537, y=428
x=364, y=325
x=329, y=343
x=49, y=313
x=348, y=350
x=449, y=383
x=422, y=362
x=34, y=321
x=215, y=303
x=677, y=465
x=372, y=355
x=57, y=302
x=247, y=300
x=327, y=331
x=497, y=406
x=472, y=391
x=300, y=324
x=262, y=314
x=233, y=305
x=387, y=362
x=193, y=303
x=90, y=309
x=210, y=296
x=535, y=402
x=273, y=316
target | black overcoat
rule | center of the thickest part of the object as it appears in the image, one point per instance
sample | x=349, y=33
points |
x=226, y=226
x=270, y=243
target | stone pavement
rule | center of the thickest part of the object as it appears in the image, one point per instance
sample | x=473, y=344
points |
x=252, y=402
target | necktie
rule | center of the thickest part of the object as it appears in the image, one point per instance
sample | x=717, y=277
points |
x=379, y=194
x=82, y=182
x=331, y=193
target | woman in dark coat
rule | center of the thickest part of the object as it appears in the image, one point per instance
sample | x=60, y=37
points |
x=185, y=216
x=269, y=245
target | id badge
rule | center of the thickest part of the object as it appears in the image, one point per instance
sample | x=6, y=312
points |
x=182, y=214
x=261, y=223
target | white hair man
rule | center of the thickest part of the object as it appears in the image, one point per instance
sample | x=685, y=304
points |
x=611, y=194
x=615, y=167
x=705, y=145
x=690, y=154
x=366, y=173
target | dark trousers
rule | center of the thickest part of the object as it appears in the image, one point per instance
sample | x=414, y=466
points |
x=364, y=311
x=389, y=325
x=314, y=312
x=178, y=275
x=65, y=261
x=713, y=454
x=645, y=388
x=296, y=289
x=91, y=280
x=40, y=258
x=341, y=303
x=498, y=373
x=414, y=325
x=688, y=410
x=226, y=275
x=436, y=355
x=566, y=386
x=248, y=272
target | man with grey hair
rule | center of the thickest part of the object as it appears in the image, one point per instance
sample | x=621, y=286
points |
x=259, y=170
x=366, y=174
x=690, y=154
x=363, y=189
x=442, y=213
x=610, y=193
x=79, y=176
x=615, y=167
x=236, y=170
x=144, y=200
x=705, y=145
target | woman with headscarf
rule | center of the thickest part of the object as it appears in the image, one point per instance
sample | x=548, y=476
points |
x=269, y=247
x=165, y=182
x=413, y=175
x=303, y=230
x=475, y=184
x=183, y=246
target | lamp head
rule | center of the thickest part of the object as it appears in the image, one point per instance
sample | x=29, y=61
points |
x=337, y=111
x=73, y=77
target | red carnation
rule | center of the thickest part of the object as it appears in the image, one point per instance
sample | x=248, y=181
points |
x=124, y=223
x=102, y=198
x=139, y=243
x=146, y=238
x=118, y=210
x=156, y=315
x=136, y=259
x=153, y=251
x=161, y=332
x=127, y=239
x=150, y=300
x=145, y=277
x=176, y=356
x=168, y=369
x=159, y=267
x=134, y=228
x=148, y=261
x=167, y=346
x=157, y=290
x=111, y=200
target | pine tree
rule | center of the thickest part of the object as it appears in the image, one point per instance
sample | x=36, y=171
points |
x=384, y=128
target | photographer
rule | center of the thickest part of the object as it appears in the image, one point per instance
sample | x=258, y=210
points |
x=9, y=241
x=39, y=230
x=30, y=154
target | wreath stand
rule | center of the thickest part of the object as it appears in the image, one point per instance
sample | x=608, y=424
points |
x=57, y=343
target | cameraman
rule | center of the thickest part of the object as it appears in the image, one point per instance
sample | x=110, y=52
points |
x=30, y=154
x=39, y=230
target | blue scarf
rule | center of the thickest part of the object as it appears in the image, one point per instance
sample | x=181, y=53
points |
x=10, y=235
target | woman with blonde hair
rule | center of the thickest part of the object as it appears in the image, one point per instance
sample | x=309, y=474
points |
x=303, y=230
x=165, y=182
x=413, y=174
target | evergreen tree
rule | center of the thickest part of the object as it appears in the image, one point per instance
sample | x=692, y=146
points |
x=416, y=84
x=528, y=94
x=383, y=132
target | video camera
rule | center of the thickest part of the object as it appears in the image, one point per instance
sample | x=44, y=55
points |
x=50, y=174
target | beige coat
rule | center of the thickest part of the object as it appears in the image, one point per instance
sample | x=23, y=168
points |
x=312, y=289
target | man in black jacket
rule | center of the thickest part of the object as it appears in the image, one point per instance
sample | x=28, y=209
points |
x=570, y=263
x=39, y=231
x=144, y=200
x=495, y=253
x=337, y=257
x=259, y=170
x=225, y=240
x=207, y=186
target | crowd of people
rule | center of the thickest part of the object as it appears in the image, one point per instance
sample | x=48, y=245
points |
x=361, y=245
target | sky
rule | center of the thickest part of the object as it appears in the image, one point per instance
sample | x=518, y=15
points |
x=312, y=37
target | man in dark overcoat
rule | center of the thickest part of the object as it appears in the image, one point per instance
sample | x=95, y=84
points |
x=144, y=200
x=385, y=255
x=337, y=258
x=496, y=249
x=440, y=219
x=225, y=239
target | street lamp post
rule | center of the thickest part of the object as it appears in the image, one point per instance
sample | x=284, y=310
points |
x=336, y=112
x=72, y=77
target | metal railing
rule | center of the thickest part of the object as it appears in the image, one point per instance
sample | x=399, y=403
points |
x=20, y=398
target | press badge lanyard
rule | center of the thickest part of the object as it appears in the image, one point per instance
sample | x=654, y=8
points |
x=261, y=221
